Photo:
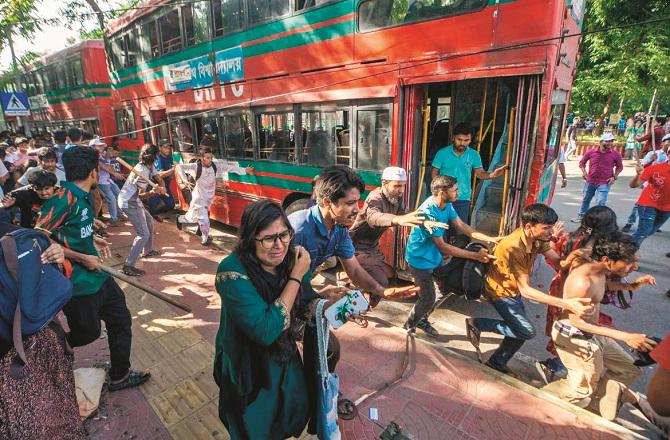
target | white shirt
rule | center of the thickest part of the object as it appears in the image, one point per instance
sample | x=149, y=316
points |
x=134, y=183
x=23, y=180
x=661, y=157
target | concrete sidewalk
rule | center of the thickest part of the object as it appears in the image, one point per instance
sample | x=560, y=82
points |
x=444, y=395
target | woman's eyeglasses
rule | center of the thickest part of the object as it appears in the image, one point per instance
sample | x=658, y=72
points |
x=269, y=240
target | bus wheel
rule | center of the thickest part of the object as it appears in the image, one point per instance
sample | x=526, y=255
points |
x=296, y=206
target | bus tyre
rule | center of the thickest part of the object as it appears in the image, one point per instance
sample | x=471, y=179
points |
x=296, y=205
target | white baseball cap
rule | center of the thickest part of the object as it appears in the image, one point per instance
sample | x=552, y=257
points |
x=394, y=173
x=95, y=142
x=666, y=138
x=606, y=137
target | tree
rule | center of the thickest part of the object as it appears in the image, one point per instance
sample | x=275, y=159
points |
x=77, y=12
x=623, y=64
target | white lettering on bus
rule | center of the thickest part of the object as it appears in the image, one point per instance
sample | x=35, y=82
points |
x=209, y=93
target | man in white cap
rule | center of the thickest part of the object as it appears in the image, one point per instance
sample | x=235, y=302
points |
x=384, y=207
x=605, y=164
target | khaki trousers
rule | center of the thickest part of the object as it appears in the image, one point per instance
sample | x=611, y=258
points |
x=590, y=364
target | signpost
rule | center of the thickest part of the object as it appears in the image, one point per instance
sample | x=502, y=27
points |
x=15, y=104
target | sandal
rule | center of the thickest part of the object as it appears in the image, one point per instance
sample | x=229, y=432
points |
x=132, y=379
x=346, y=409
x=133, y=271
x=151, y=254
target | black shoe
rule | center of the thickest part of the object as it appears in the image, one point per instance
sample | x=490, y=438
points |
x=668, y=255
x=132, y=379
x=133, y=271
x=667, y=293
x=427, y=328
x=626, y=228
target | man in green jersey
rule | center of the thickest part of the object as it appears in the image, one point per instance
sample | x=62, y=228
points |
x=68, y=218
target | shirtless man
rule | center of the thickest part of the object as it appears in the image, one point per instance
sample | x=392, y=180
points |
x=599, y=369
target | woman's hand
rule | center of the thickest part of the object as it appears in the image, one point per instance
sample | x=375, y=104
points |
x=53, y=254
x=301, y=263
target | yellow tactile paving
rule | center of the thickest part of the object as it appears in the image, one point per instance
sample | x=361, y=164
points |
x=181, y=391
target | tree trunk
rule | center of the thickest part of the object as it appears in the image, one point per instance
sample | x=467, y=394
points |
x=98, y=12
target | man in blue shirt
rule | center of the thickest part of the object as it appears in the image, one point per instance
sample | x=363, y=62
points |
x=323, y=228
x=161, y=203
x=425, y=249
x=458, y=160
x=323, y=231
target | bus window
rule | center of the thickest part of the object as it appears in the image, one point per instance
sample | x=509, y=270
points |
x=170, y=32
x=320, y=140
x=277, y=136
x=373, y=143
x=61, y=77
x=91, y=126
x=237, y=142
x=554, y=133
x=183, y=135
x=125, y=123
x=195, y=23
x=76, y=73
x=304, y=4
x=131, y=46
x=207, y=130
x=118, y=54
x=146, y=130
x=150, y=37
x=262, y=10
x=375, y=14
x=228, y=15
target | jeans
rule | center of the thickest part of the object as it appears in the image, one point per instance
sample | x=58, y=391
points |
x=425, y=304
x=632, y=218
x=108, y=304
x=462, y=208
x=651, y=219
x=572, y=146
x=144, y=228
x=110, y=192
x=590, y=190
x=514, y=326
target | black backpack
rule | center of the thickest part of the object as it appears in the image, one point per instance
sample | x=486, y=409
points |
x=198, y=171
x=463, y=276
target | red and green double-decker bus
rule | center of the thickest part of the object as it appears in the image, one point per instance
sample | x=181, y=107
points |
x=291, y=86
x=70, y=88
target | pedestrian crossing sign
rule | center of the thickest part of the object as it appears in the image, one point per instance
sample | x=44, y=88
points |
x=15, y=104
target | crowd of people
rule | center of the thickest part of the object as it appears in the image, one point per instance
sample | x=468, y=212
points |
x=267, y=385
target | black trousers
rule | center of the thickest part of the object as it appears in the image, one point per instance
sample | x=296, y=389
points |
x=84, y=314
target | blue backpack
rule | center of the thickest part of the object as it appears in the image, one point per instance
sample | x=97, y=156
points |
x=31, y=293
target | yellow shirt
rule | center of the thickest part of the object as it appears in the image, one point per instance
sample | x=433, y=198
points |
x=514, y=257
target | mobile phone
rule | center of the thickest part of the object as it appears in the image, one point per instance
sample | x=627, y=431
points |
x=352, y=304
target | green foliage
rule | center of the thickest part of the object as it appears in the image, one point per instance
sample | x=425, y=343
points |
x=78, y=14
x=625, y=63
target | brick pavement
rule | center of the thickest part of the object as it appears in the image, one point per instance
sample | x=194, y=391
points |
x=444, y=396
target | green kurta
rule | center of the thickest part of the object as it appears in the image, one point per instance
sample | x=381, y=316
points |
x=280, y=411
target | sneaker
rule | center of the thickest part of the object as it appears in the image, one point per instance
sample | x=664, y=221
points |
x=546, y=373
x=577, y=219
x=132, y=379
x=132, y=271
x=611, y=402
x=668, y=255
x=151, y=254
x=503, y=370
x=428, y=328
x=473, y=334
x=626, y=228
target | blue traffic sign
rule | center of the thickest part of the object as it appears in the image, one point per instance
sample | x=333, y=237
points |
x=15, y=103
